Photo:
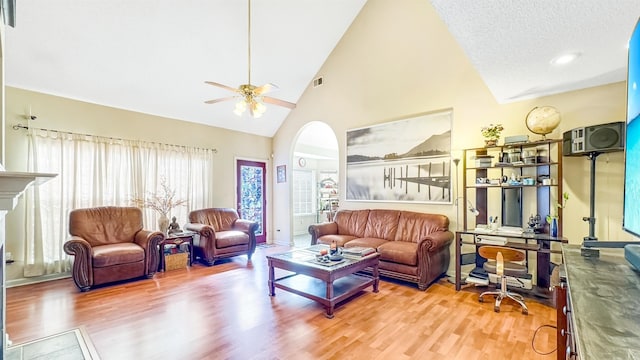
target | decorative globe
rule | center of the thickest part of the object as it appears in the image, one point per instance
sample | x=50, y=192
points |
x=543, y=120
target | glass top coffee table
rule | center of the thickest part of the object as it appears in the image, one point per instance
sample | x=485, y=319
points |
x=326, y=283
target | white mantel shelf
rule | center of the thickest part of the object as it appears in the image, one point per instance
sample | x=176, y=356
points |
x=13, y=184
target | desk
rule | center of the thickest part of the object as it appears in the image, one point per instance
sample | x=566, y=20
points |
x=604, y=305
x=539, y=243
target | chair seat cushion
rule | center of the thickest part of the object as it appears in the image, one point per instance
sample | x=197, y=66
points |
x=510, y=268
x=117, y=254
x=231, y=238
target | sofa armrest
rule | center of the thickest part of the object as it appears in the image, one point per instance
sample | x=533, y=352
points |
x=150, y=242
x=433, y=257
x=318, y=230
x=82, y=265
x=435, y=241
x=250, y=228
x=245, y=225
x=206, y=242
x=202, y=229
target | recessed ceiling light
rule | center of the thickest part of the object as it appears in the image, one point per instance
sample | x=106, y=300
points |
x=565, y=58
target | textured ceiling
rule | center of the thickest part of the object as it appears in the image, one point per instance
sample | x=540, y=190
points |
x=511, y=42
x=153, y=56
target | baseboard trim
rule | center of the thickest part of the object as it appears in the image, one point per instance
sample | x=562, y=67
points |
x=35, y=280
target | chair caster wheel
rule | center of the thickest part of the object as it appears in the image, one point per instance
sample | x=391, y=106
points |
x=496, y=309
x=480, y=300
x=525, y=312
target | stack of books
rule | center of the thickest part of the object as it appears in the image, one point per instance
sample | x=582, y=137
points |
x=491, y=240
x=478, y=276
x=510, y=230
x=358, y=251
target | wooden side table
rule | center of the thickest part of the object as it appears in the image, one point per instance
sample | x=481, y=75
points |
x=177, y=239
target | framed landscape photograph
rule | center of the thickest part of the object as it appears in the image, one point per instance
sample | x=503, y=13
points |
x=407, y=160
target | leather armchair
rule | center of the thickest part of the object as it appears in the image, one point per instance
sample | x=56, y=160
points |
x=222, y=234
x=110, y=245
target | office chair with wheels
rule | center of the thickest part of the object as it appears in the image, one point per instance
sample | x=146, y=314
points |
x=502, y=262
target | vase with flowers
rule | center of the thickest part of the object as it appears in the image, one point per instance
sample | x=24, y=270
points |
x=491, y=134
x=163, y=202
x=553, y=219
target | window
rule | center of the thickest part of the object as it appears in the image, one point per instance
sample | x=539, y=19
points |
x=95, y=171
x=303, y=192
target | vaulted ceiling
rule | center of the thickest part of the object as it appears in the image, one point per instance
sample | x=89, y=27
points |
x=154, y=56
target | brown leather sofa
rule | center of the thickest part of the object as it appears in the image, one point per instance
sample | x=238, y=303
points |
x=109, y=245
x=413, y=246
x=222, y=234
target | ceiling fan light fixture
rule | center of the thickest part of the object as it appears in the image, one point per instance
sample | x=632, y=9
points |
x=250, y=96
x=259, y=107
x=253, y=103
x=256, y=108
x=241, y=107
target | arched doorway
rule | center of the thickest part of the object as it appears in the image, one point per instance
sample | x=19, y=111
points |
x=314, y=178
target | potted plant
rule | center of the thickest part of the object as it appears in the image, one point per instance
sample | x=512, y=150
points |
x=162, y=202
x=491, y=134
x=553, y=219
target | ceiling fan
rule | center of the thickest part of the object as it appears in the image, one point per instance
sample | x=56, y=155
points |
x=248, y=95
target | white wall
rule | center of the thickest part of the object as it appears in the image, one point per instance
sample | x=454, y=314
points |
x=398, y=59
x=64, y=114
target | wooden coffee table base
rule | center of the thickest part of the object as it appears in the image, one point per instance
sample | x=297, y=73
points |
x=325, y=286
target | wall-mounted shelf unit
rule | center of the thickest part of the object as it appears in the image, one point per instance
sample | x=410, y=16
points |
x=513, y=182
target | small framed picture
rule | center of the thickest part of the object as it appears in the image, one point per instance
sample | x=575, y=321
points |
x=281, y=173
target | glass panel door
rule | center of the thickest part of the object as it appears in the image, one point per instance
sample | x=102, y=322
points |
x=251, y=189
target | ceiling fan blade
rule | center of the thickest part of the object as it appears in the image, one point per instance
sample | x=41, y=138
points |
x=278, y=102
x=265, y=89
x=219, y=100
x=221, y=85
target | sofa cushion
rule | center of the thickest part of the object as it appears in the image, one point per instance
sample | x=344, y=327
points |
x=413, y=226
x=339, y=239
x=399, y=268
x=116, y=254
x=231, y=238
x=401, y=252
x=351, y=222
x=366, y=242
x=382, y=224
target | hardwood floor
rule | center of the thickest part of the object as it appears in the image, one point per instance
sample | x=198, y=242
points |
x=224, y=312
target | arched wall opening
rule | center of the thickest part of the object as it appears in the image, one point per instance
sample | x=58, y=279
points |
x=314, y=176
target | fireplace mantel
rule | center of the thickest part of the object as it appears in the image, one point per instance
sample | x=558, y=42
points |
x=13, y=184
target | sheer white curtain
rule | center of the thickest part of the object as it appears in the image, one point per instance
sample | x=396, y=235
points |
x=96, y=171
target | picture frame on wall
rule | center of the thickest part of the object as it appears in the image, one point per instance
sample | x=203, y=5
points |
x=405, y=160
x=281, y=173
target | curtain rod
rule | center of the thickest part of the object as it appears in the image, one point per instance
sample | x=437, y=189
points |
x=20, y=126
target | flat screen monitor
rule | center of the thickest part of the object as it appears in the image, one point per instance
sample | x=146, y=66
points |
x=631, y=211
